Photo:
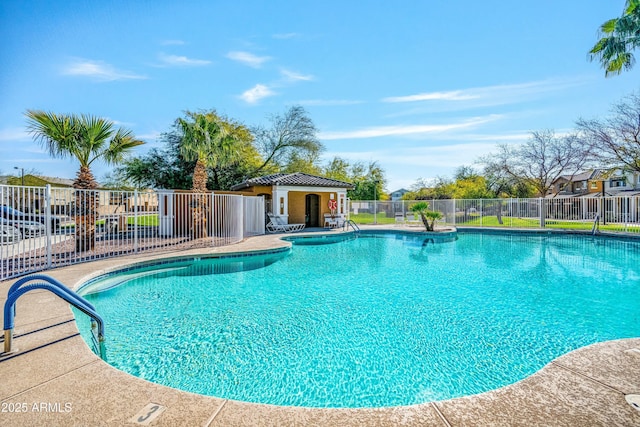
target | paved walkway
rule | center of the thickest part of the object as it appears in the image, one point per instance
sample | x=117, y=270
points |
x=55, y=380
x=29, y=244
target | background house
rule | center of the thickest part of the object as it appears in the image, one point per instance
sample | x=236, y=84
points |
x=618, y=182
x=397, y=195
x=574, y=185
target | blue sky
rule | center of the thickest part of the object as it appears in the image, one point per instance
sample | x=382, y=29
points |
x=421, y=87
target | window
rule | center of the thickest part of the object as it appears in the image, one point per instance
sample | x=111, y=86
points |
x=594, y=185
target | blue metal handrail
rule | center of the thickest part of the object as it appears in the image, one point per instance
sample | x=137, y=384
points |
x=20, y=288
x=51, y=281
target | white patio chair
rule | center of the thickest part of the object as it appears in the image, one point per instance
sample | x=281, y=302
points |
x=277, y=225
x=329, y=221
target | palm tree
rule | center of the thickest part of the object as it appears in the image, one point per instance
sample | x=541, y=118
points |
x=620, y=37
x=212, y=142
x=428, y=217
x=87, y=139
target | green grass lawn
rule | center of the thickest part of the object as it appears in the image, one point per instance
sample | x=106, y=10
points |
x=146, y=220
x=367, y=218
x=143, y=220
x=492, y=221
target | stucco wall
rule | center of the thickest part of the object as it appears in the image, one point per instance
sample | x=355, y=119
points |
x=297, y=206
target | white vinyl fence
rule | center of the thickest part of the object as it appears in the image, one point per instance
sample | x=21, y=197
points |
x=611, y=214
x=45, y=227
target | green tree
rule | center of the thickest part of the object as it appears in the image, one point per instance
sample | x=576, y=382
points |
x=436, y=188
x=469, y=184
x=306, y=162
x=87, y=139
x=337, y=168
x=166, y=167
x=619, y=37
x=210, y=141
x=471, y=188
x=368, y=180
x=427, y=216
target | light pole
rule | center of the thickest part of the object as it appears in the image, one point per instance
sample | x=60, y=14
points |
x=21, y=174
x=375, y=202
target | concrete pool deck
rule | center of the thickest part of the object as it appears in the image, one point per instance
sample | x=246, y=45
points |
x=54, y=379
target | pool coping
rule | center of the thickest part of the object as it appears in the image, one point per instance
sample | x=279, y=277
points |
x=58, y=380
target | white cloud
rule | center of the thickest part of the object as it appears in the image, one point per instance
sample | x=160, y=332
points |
x=256, y=93
x=455, y=95
x=292, y=76
x=98, y=70
x=494, y=95
x=182, y=61
x=248, y=58
x=398, y=130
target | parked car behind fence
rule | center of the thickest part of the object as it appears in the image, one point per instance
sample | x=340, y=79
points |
x=26, y=228
x=9, y=234
x=16, y=215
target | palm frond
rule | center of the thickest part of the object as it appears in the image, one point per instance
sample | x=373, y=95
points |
x=620, y=37
x=57, y=134
x=120, y=146
x=609, y=26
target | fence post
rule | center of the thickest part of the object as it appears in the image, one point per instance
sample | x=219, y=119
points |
x=242, y=214
x=453, y=210
x=47, y=214
x=135, y=221
x=542, y=213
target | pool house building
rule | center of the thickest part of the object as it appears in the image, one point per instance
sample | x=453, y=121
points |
x=299, y=198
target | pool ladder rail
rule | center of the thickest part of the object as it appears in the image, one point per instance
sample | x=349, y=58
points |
x=22, y=286
x=596, y=225
x=353, y=225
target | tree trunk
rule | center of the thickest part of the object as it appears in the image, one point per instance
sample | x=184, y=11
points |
x=199, y=201
x=428, y=225
x=199, y=181
x=499, y=214
x=86, y=209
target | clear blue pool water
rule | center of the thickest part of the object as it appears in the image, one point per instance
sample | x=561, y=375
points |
x=381, y=320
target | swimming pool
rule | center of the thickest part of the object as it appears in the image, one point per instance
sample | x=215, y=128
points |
x=381, y=320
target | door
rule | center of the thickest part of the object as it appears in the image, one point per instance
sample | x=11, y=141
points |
x=312, y=210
